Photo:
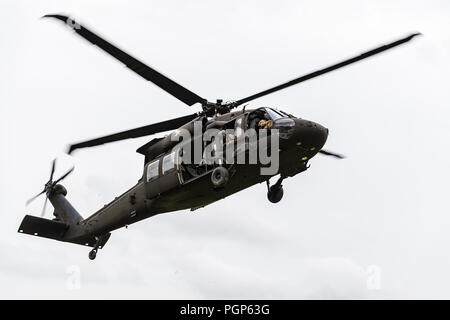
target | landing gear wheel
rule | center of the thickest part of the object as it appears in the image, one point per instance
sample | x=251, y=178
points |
x=220, y=177
x=92, y=254
x=275, y=194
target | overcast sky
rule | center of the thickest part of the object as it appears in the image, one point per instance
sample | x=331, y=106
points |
x=382, y=213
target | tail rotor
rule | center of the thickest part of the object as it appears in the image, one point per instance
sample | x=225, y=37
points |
x=49, y=186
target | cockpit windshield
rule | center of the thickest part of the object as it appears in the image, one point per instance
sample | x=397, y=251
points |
x=274, y=114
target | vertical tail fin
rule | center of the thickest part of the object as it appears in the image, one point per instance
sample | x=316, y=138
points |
x=64, y=211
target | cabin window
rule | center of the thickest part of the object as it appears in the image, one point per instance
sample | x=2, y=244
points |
x=168, y=162
x=153, y=170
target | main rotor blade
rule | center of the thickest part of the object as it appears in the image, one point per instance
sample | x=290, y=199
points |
x=64, y=175
x=327, y=69
x=136, y=133
x=328, y=153
x=36, y=196
x=168, y=85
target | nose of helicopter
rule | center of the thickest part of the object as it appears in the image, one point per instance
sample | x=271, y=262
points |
x=309, y=135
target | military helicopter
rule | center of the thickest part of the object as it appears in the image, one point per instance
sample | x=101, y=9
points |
x=168, y=184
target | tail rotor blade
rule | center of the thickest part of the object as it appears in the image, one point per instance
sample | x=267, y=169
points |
x=36, y=196
x=64, y=175
x=44, y=207
x=53, y=169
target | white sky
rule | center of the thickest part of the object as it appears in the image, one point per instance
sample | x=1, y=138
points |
x=386, y=205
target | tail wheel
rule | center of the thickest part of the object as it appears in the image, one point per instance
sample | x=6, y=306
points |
x=275, y=194
x=220, y=177
x=92, y=254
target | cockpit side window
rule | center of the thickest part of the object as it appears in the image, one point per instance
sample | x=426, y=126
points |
x=153, y=170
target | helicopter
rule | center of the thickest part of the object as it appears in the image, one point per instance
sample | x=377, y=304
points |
x=170, y=182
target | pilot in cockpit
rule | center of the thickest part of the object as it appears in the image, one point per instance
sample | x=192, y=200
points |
x=260, y=119
x=255, y=117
